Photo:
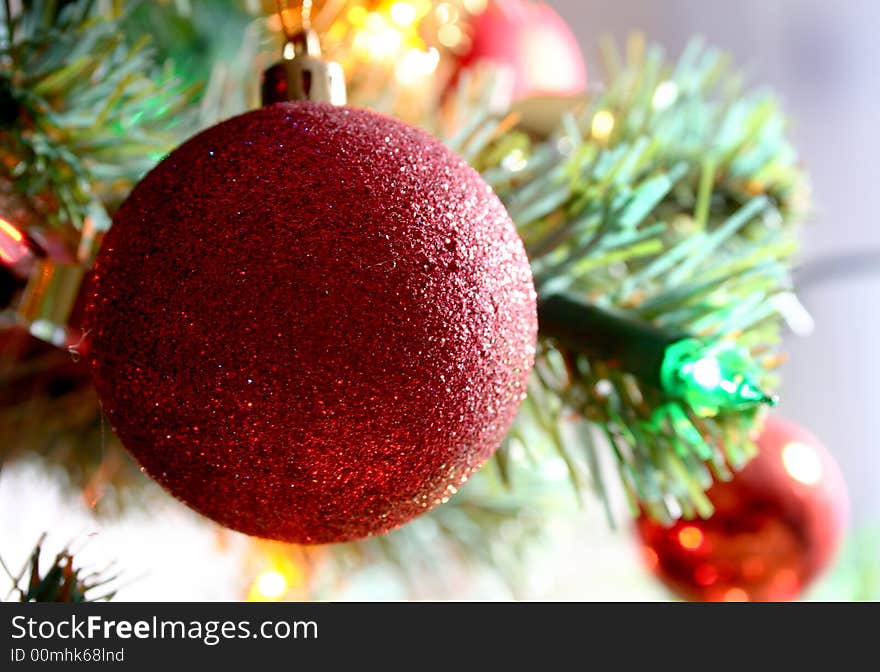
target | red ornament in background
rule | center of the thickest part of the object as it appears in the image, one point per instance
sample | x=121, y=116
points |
x=534, y=42
x=776, y=525
x=312, y=323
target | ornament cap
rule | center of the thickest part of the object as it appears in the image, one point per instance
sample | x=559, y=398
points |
x=303, y=75
x=49, y=299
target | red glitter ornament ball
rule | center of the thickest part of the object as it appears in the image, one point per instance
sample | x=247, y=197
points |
x=533, y=42
x=312, y=323
x=776, y=525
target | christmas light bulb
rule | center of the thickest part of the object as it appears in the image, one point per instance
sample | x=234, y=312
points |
x=707, y=377
x=711, y=378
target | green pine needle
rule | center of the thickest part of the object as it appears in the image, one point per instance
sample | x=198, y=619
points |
x=94, y=114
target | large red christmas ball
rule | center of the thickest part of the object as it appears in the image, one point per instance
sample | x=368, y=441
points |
x=776, y=525
x=312, y=323
x=533, y=42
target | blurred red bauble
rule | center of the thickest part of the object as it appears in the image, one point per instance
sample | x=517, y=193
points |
x=776, y=525
x=533, y=42
x=312, y=323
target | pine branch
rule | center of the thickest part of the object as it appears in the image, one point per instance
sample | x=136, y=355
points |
x=63, y=581
x=671, y=200
x=87, y=112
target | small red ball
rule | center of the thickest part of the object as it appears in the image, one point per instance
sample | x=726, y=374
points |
x=534, y=42
x=776, y=525
x=312, y=323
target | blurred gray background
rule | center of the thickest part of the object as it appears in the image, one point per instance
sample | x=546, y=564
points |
x=823, y=60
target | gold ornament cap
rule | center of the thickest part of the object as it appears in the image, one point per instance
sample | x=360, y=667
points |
x=49, y=299
x=303, y=75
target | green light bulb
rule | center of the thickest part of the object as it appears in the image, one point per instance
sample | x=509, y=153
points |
x=711, y=378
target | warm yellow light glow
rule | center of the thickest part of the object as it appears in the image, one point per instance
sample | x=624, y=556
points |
x=690, y=537
x=736, y=595
x=515, y=161
x=802, y=463
x=270, y=585
x=357, y=15
x=475, y=6
x=446, y=13
x=336, y=32
x=603, y=124
x=449, y=35
x=280, y=573
x=379, y=39
x=11, y=231
x=403, y=13
x=13, y=252
x=375, y=22
x=416, y=64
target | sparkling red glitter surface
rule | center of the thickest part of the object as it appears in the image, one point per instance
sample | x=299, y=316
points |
x=312, y=323
x=771, y=533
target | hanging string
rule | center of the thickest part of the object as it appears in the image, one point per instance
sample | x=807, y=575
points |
x=290, y=30
x=306, y=14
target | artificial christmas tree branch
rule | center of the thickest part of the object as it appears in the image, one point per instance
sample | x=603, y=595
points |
x=63, y=581
x=85, y=111
x=669, y=201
